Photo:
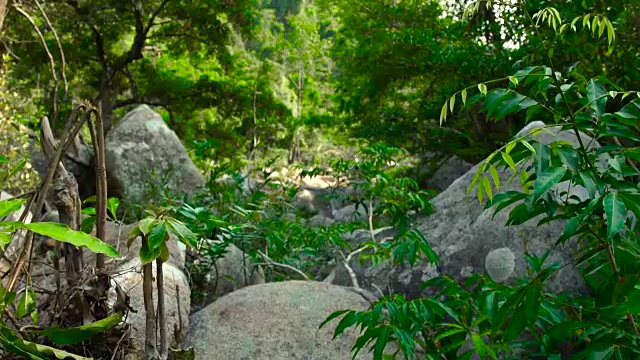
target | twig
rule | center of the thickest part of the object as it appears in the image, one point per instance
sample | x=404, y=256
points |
x=177, y=332
x=97, y=138
x=115, y=350
x=268, y=261
x=51, y=60
x=44, y=42
x=352, y=274
x=162, y=315
x=55, y=34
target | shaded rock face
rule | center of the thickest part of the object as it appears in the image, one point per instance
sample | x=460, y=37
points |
x=232, y=272
x=275, y=321
x=448, y=171
x=141, y=149
x=463, y=233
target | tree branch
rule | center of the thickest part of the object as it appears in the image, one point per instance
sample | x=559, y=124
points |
x=140, y=38
x=84, y=15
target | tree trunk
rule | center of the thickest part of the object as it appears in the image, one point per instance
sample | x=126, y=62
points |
x=3, y=11
x=151, y=352
x=105, y=96
x=162, y=316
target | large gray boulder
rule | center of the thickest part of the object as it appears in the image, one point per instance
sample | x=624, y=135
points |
x=463, y=234
x=275, y=321
x=140, y=150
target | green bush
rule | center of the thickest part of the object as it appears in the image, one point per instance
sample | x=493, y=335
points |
x=483, y=318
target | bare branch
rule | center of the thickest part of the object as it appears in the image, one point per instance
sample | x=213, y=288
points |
x=44, y=43
x=154, y=15
x=55, y=34
x=268, y=261
x=140, y=38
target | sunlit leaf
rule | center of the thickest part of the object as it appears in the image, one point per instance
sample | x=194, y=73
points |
x=61, y=232
x=7, y=207
x=76, y=335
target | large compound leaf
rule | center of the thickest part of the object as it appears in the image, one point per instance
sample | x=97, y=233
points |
x=63, y=233
x=75, y=335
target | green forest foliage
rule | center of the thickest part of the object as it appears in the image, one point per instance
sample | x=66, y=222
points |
x=245, y=80
x=224, y=71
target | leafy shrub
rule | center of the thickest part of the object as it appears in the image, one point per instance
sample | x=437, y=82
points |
x=490, y=320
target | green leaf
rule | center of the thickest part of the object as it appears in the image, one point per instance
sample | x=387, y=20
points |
x=8, y=207
x=63, y=233
x=88, y=211
x=332, y=316
x=183, y=233
x=597, y=97
x=463, y=95
x=76, y=335
x=113, y=204
x=183, y=354
x=92, y=198
x=548, y=179
x=588, y=183
x=443, y=113
x=571, y=227
x=26, y=305
x=134, y=233
x=516, y=325
x=632, y=202
x=504, y=199
x=532, y=303
x=30, y=350
x=148, y=255
x=567, y=329
x=616, y=214
x=483, y=89
x=164, y=252
x=507, y=158
x=569, y=156
x=87, y=224
x=495, y=176
x=146, y=224
x=157, y=235
x=381, y=343
x=632, y=153
x=5, y=239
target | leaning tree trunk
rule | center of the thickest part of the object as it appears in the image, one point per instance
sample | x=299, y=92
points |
x=3, y=11
x=105, y=97
x=67, y=201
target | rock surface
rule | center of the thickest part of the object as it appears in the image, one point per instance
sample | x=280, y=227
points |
x=449, y=170
x=142, y=145
x=232, y=272
x=275, y=321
